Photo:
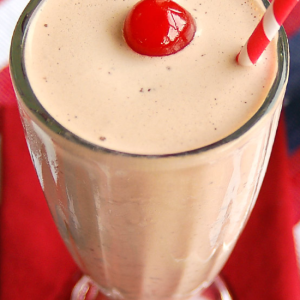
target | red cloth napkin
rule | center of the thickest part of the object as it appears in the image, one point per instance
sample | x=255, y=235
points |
x=263, y=265
x=36, y=265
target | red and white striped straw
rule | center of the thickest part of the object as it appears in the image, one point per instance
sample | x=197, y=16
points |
x=265, y=31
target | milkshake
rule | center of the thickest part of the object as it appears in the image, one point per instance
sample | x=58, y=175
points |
x=150, y=165
x=97, y=87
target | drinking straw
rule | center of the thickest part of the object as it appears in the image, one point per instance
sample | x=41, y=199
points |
x=265, y=31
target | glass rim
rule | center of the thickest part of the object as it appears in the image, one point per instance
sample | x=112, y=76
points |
x=23, y=88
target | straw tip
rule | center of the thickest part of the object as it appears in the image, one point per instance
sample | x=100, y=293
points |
x=243, y=58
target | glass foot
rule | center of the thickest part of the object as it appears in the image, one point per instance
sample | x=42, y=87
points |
x=216, y=291
x=85, y=289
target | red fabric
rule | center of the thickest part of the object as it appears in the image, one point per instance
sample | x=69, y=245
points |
x=294, y=166
x=263, y=265
x=35, y=264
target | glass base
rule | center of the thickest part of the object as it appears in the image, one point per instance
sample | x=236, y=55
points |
x=216, y=291
x=85, y=289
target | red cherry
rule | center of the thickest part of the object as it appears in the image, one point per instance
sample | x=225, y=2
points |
x=158, y=27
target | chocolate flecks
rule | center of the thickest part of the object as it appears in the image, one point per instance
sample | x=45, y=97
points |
x=203, y=55
x=168, y=68
x=141, y=90
x=149, y=90
x=45, y=25
x=75, y=117
x=102, y=138
x=45, y=79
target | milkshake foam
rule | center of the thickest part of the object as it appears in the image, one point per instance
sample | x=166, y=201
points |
x=92, y=83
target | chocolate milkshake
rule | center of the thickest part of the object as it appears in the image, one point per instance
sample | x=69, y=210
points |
x=150, y=165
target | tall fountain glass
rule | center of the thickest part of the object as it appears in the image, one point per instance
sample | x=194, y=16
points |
x=148, y=226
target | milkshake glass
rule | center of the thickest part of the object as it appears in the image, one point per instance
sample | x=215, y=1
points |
x=148, y=226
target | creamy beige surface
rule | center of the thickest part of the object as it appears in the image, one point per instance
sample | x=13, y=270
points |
x=91, y=82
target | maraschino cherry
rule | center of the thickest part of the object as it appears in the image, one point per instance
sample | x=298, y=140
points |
x=158, y=27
